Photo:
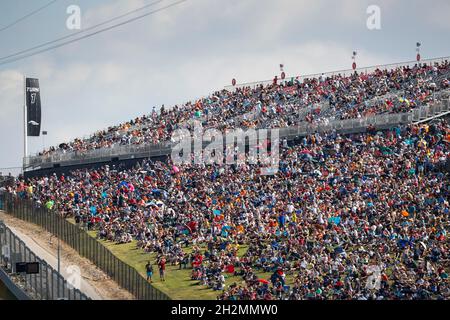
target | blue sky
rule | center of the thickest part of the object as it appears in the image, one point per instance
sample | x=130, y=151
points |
x=189, y=51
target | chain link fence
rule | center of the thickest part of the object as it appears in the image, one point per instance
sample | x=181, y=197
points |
x=48, y=284
x=122, y=273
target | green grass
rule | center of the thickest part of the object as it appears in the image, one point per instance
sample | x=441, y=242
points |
x=178, y=284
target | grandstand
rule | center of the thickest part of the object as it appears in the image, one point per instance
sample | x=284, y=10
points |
x=345, y=100
x=361, y=193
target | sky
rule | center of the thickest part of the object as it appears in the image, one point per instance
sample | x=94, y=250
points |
x=189, y=51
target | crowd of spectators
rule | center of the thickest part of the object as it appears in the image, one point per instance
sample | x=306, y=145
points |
x=280, y=105
x=361, y=216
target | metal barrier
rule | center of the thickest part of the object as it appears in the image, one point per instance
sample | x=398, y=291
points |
x=122, y=273
x=80, y=157
x=48, y=284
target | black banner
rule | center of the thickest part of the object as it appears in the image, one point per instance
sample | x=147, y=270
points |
x=33, y=100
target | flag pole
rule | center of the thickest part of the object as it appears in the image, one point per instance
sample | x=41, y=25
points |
x=25, y=145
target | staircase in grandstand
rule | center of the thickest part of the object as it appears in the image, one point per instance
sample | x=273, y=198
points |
x=438, y=115
x=424, y=115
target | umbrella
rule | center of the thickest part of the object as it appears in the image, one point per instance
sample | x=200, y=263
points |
x=123, y=184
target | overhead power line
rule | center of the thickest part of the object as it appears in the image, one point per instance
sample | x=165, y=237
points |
x=81, y=31
x=91, y=34
x=27, y=16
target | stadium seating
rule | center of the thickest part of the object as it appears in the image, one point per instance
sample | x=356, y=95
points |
x=338, y=207
x=347, y=216
x=314, y=100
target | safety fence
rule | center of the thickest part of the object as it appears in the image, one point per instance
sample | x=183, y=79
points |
x=122, y=273
x=46, y=284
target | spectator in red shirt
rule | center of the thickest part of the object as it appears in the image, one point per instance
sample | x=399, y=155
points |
x=162, y=269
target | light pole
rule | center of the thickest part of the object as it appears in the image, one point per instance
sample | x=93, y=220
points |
x=44, y=133
x=25, y=117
